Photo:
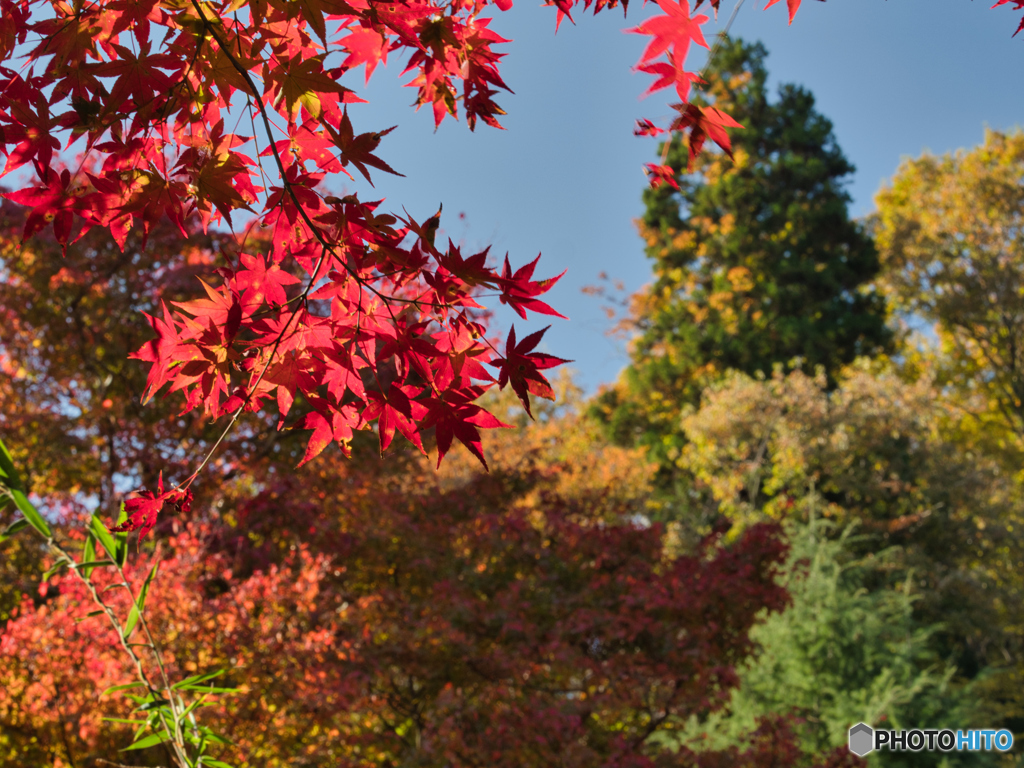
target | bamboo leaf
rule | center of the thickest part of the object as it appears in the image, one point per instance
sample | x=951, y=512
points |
x=150, y=741
x=155, y=704
x=10, y=478
x=195, y=679
x=103, y=535
x=88, y=555
x=215, y=737
x=31, y=514
x=140, y=603
x=8, y=473
x=94, y=564
x=12, y=529
x=125, y=687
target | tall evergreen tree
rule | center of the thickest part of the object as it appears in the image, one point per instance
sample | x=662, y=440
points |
x=756, y=260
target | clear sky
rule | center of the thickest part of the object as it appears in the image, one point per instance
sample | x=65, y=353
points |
x=896, y=77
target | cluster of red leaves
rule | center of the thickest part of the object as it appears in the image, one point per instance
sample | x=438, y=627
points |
x=346, y=300
x=665, y=57
x=361, y=359
x=141, y=511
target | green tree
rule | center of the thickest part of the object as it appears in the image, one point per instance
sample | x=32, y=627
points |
x=844, y=653
x=756, y=260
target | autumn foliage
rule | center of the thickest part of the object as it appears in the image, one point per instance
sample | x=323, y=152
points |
x=359, y=614
x=415, y=625
x=399, y=613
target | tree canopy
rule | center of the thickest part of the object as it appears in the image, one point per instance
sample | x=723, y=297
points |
x=949, y=230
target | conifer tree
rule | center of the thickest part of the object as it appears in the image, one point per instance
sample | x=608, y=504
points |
x=756, y=260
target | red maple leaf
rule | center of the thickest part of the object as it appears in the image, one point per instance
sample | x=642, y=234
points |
x=453, y=416
x=396, y=411
x=518, y=290
x=309, y=142
x=358, y=150
x=143, y=510
x=675, y=30
x=669, y=73
x=335, y=424
x=342, y=374
x=262, y=280
x=661, y=174
x=289, y=372
x=794, y=6
x=54, y=200
x=704, y=122
x=222, y=308
x=138, y=76
x=521, y=367
x=470, y=271
x=364, y=46
x=32, y=130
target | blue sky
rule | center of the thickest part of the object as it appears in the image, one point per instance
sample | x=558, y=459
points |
x=896, y=78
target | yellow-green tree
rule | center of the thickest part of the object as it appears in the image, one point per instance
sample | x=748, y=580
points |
x=950, y=238
x=950, y=234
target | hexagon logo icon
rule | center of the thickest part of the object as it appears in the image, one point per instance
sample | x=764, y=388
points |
x=862, y=738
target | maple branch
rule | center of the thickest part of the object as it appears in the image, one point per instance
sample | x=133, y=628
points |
x=208, y=25
x=226, y=49
x=326, y=248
